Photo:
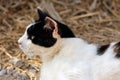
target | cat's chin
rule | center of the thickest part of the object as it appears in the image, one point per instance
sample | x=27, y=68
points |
x=30, y=55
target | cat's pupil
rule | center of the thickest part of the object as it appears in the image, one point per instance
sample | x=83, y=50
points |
x=31, y=37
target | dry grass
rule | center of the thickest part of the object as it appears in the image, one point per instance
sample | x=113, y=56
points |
x=97, y=21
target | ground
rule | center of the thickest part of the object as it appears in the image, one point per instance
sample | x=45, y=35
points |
x=96, y=21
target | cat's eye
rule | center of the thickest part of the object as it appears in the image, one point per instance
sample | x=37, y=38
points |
x=32, y=37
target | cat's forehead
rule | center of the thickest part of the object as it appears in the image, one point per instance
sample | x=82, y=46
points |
x=35, y=28
x=30, y=25
x=29, y=28
x=36, y=24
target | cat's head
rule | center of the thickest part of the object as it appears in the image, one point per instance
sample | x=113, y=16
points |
x=42, y=34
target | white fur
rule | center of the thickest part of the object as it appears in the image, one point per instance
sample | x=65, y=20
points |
x=73, y=59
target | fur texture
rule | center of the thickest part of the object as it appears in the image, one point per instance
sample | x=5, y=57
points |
x=67, y=57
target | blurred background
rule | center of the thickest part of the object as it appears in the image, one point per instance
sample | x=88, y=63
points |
x=96, y=21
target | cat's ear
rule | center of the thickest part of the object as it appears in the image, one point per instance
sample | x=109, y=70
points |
x=41, y=14
x=52, y=24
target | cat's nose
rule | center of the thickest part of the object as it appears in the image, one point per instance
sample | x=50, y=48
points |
x=19, y=43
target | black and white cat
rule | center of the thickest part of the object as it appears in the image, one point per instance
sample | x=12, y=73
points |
x=66, y=57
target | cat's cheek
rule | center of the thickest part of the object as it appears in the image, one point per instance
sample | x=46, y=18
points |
x=28, y=51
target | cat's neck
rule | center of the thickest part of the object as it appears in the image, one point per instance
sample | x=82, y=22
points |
x=49, y=53
x=62, y=48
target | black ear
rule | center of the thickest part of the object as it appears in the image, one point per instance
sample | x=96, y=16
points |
x=41, y=14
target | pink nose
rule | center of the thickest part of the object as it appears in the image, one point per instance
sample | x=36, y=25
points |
x=19, y=43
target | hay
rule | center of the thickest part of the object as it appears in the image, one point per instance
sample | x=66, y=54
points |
x=97, y=21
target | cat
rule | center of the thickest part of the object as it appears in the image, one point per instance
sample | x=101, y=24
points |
x=66, y=57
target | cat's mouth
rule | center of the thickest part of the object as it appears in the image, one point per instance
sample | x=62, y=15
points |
x=30, y=53
x=23, y=47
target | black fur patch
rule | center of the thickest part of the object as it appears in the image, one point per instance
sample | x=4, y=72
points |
x=64, y=30
x=117, y=49
x=102, y=49
x=43, y=36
